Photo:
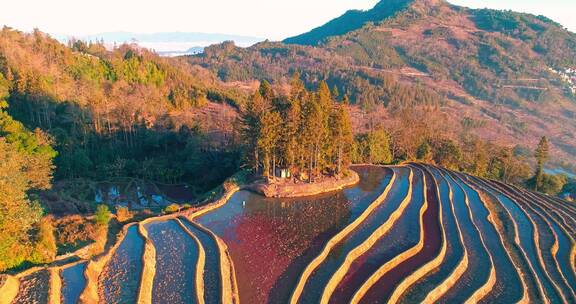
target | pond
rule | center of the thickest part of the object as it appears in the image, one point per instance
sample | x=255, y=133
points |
x=272, y=240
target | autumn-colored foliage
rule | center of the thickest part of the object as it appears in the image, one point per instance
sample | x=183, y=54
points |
x=303, y=132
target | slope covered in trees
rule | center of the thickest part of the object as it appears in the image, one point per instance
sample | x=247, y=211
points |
x=502, y=69
x=124, y=112
x=25, y=165
x=84, y=113
x=307, y=133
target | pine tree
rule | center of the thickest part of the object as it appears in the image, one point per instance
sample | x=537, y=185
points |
x=266, y=90
x=324, y=97
x=313, y=133
x=302, y=131
x=335, y=92
x=291, y=146
x=251, y=127
x=298, y=90
x=268, y=141
x=541, y=154
x=341, y=137
x=346, y=100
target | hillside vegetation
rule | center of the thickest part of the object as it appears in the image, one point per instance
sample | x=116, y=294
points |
x=81, y=112
x=500, y=69
x=469, y=90
x=117, y=113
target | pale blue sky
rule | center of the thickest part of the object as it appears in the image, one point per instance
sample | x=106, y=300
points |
x=262, y=18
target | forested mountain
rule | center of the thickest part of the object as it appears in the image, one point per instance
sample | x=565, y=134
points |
x=84, y=113
x=351, y=20
x=125, y=112
x=504, y=75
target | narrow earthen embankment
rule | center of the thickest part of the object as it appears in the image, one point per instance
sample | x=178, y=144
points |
x=434, y=295
x=367, y=244
x=217, y=204
x=565, y=257
x=552, y=290
x=229, y=292
x=517, y=216
x=507, y=236
x=94, y=268
x=226, y=275
x=491, y=281
x=9, y=289
x=477, y=261
x=439, y=259
x=149, y=257
x=287, y=189
x=550, y=250
x=338, y=238
x=498, y=249
x=383, y=283
x=55, y=290
x=568, y=230
x=148, y=268
x=10, y=285
x=200, y=264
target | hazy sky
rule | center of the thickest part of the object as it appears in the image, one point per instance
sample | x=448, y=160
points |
x=261, y=18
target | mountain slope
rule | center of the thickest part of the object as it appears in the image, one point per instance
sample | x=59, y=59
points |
x=117, y=113
x=504, y=71
x=351, y=20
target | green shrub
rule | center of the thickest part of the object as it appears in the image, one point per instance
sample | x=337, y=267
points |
x=45, y=248
x=102, y=215
x=172, y=208
x=373, y=147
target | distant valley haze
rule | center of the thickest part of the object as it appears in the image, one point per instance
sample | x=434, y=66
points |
x=165, y=43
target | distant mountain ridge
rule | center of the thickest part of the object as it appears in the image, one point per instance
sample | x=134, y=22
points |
x=351, y=20
x=172, y=37
x=165, y=43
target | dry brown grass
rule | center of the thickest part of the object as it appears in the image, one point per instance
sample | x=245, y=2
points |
x=74, y=231
x=123, y=214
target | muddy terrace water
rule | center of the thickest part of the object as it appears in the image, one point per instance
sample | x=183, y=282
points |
x=73, y=282
x=271, y=241
x=176, y=256
x=34, y=288
x=120, y=279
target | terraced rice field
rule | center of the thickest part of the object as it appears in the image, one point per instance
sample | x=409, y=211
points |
x=34, y=288
x=120, y=279
x=405, y=234
x=73, y=282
